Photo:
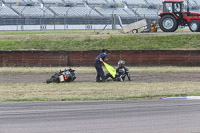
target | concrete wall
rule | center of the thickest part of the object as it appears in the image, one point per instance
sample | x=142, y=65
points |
x=86, y=58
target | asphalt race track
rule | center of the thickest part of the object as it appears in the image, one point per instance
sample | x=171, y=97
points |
x=157, y=116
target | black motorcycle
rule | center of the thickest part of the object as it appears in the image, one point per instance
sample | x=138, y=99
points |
x=67, y=75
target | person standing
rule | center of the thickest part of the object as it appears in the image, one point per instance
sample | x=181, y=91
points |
x=98, y=65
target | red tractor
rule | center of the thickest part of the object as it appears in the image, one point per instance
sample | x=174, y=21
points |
x=173, y=16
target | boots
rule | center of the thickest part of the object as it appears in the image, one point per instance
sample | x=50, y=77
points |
x=98, y=79
x=104, y=80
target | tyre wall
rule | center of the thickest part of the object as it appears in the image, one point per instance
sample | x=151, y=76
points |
x=86, y=58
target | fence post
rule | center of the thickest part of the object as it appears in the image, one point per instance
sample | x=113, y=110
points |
x=113, y=22
x=54, y=21
x=40, y=23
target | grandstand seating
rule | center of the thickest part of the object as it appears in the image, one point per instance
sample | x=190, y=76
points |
x=197, y=2
x=74, y=2
x=52, y=1
x=13, y=2
x=108, y=12
x=97, y=11
x=192, y=4
x=120, y=3
x=60, y=11
x=146, y=13
x=75, y=12
x=83, y=12
x=33, y=11
x=96, y=2
x=130, y=13
x=32, y=2
x=111, y=2
x=136, y=3
x=155, y=2
x=48, y=3
x=79, y=8
x=7, y=12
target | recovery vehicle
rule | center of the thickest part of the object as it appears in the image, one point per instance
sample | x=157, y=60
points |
x=173, y=15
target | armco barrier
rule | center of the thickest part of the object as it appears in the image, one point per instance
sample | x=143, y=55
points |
x=86, y=58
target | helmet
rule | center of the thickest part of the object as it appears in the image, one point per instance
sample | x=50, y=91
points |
x=105, y=50
x=121, y=63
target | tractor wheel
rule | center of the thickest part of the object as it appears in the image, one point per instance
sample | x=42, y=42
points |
x=168, y=23
x=194, y=26
x=134, y=31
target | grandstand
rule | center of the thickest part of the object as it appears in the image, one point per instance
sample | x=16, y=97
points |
x=75, y=2
x=7, y=12
x=80, y=12
x=76, y=12
x=194, y=4
x=155, y=2
x=32, y=11
x=136, y=3
x=107, y=13
x=96, y=2
x=146, y=13
x=49, y=3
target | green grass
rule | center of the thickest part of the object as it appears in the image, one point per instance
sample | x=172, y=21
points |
x=79, y=91
x=95, y=40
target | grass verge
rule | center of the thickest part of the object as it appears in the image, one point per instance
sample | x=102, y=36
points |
x=95, y=40
x=76, y=91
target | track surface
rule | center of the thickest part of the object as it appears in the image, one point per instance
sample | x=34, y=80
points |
x=161, y=116
x=136, y=77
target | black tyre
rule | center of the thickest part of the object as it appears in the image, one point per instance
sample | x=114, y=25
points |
x=168, y=23
x=48, y=81
x=194, y=26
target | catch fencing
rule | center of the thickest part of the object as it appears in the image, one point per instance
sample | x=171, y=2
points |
x=86, y=58
x=21, y=18
x=84, y=23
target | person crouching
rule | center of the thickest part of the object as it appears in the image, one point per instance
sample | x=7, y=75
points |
x=121, y=72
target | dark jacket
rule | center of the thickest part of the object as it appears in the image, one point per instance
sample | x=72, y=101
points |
x=102, y=56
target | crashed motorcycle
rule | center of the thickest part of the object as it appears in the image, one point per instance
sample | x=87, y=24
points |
x=67, y=75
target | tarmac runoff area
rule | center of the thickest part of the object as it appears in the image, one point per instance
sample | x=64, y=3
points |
x=152, y=116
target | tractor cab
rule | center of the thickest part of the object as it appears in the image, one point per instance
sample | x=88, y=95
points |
x=173, y=16
x=175, y=7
